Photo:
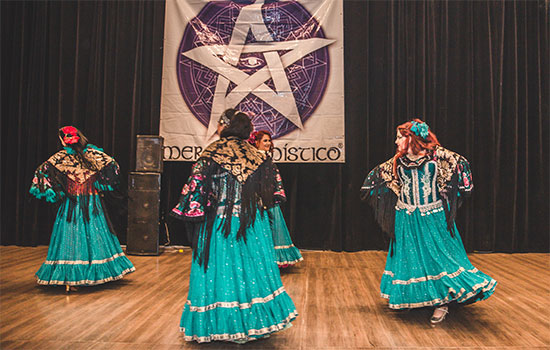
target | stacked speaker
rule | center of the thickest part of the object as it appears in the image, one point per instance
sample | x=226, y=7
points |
x=144, y=197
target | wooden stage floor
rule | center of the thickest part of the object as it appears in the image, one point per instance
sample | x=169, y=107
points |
x=336, y=294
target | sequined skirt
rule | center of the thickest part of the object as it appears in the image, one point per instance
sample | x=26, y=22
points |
x=285, y=252
x=83, y=252
x=240, y=297
x=429, y=267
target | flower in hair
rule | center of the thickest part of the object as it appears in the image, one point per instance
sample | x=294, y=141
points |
x=224, y=119
x=71, y=135
x=420, y=129
x=252, y=138
x=69, y=130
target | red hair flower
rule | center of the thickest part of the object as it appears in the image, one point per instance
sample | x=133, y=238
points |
x=71, y=135
x=252, y=138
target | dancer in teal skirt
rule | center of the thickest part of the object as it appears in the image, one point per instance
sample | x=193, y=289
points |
x=83, y=248
x=287, y=254
x=415, y=196
x=235, y=289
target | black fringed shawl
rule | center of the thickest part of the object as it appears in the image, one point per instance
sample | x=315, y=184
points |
x=382, y=188
x=251, y=183
x=64, y=177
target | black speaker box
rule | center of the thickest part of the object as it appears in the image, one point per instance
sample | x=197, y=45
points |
x=149, y=153
x=143, y=214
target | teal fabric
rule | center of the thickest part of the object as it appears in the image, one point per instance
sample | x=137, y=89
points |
x=49, y=195
x=285, y=251
x=240, y=296
x=70, y=150
x=428, y=266
x=83, y=252
x=93, y=147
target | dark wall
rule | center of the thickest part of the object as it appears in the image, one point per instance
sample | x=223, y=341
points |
x=477, y=72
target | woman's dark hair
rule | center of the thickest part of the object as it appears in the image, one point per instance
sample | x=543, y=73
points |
x=239, y=124
x=79, y=146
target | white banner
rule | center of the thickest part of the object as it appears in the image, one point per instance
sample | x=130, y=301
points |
x=279, y=61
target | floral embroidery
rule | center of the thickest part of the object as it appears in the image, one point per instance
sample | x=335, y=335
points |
x=71, y=166
x=63, y=174
x=192, y=194
x=185, y=189
x=195, y=209
x=279, y=190
x=448, y=164
x=237, y=156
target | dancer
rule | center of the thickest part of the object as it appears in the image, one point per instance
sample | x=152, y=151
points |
x=415, y=196
x=235, y=289
x=84, y=249
x=287, y=254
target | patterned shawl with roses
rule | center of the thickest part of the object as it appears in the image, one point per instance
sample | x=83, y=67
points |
x=252, y=183
x=454, y=181
x=67, y=176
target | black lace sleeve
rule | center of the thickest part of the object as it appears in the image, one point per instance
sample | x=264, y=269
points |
x=279, y=191
x=383, y=200
x=108, y=177
x=194, y=196
x=456, y=190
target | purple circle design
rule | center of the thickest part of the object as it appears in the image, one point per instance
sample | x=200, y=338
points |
x=289, y=20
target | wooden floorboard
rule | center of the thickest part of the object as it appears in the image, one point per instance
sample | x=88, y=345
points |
x=336, y=294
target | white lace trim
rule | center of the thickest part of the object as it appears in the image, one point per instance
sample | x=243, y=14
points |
x=415, y=186
x=426, y=183
x=290, y=262
x=425, y=278
x=283, y=246
x=231, y=304
x=484, y=286
x=242, y=335
x=406, y=185
x=82, y=262
x=86, y=282
x=425, y=209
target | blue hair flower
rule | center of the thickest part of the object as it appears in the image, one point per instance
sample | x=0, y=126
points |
x=420, y=129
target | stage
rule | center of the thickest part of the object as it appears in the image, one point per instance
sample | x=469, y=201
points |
x=336, y=294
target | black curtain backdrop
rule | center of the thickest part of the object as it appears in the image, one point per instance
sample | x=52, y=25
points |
x=476, y=71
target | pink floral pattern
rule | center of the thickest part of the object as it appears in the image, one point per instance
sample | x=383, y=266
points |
x=185, y=189
x=466, y=182
x=195, y=209
x=279, y=191
x=192, y=200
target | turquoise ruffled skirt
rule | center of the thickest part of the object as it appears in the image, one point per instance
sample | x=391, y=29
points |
x=285, y=252
x=240, y=297
x=428, y=266
x=83, y=253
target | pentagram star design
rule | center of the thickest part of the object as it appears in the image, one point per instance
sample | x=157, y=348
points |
x=223, y=59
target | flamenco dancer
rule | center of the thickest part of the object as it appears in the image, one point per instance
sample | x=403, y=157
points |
x=83, y=250
x=235, y=288
x=415, y=196
x=287, y=254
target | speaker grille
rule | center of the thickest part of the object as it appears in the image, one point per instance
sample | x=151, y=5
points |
x=143, y=213
x=149, y=153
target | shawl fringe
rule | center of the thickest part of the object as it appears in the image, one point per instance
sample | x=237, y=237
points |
x=255, y=193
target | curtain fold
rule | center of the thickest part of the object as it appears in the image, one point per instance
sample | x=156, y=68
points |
x=476, y=71
x=93, y=64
